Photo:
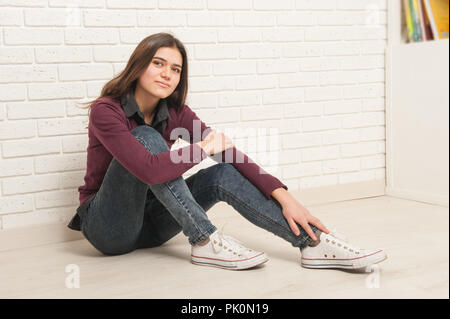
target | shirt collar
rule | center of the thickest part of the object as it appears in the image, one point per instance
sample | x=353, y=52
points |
x=130, y=107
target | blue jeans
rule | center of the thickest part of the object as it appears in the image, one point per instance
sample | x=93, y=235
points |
x=127, y=214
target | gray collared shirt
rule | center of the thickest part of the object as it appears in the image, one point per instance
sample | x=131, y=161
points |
x=131, y=109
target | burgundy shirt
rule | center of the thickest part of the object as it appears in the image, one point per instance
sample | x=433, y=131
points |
x=110, y=123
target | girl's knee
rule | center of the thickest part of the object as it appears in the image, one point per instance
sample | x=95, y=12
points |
x=143, y=129
x=150, y=138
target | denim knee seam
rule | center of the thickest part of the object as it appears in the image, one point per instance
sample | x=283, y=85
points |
x=143, y=141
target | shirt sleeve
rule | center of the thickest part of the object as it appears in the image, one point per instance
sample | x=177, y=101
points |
x=110, y=127
x=265, y=182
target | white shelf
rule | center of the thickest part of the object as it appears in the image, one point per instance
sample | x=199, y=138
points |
x=417, y=116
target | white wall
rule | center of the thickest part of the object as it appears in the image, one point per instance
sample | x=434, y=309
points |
x=312, y=69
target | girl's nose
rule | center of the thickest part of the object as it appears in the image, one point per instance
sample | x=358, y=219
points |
x=165, y=73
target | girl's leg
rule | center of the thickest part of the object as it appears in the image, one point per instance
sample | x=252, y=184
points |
x=230, y=186
x=115, y=217
x=159, y=225
x=221, y=182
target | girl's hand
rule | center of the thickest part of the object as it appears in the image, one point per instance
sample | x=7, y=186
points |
x=210, y=134
x=216, y=142
x=294, y=213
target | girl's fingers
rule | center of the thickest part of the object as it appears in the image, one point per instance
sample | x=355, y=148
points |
x=293, y=226
x=307, y=228
x=309, y=231
x=321, y=226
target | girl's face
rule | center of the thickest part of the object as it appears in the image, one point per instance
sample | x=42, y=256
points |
x=164, y=68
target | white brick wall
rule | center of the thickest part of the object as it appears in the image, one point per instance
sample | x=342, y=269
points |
x=313, y=70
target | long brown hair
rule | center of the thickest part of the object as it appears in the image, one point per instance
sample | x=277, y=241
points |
x=137, y=64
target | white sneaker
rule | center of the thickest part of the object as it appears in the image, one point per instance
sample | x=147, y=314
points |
x=226, y=252
x=333, y=251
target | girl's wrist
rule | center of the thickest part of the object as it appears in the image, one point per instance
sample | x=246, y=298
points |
x=282, y=196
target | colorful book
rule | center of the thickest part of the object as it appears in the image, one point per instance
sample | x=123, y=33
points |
x=414, y=18
x=437, y=11
x=432, y=22
x=418, y=9
x=409, y=24
x=440, y=14
x=426, y=22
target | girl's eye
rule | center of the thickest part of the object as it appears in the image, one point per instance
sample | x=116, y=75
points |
x=156, y=62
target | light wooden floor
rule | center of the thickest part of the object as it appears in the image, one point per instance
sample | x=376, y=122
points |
x=415, y=236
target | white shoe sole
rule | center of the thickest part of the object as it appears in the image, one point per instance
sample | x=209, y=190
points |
x=354, y=263
x=230, y=264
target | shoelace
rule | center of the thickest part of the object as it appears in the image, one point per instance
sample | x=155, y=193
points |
x=230, y=243
x=343, y=241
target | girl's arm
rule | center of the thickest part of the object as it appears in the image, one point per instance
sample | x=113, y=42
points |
x=110, y=128
x=264, y=181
